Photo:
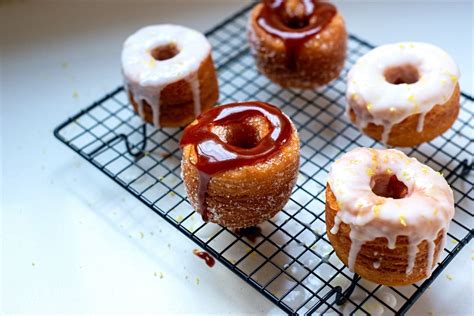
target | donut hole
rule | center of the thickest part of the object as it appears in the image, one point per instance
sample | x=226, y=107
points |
x=388, y=186
x=402, y=74
x=165, y=52
x=246, y=134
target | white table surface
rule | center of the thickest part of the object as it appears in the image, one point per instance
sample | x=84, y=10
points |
x=65, y=246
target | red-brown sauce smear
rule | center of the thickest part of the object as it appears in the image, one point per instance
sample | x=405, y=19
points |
x=210, y=261
x=215, y=156
x=294, y=30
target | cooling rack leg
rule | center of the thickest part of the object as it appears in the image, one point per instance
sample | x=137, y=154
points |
x=122, y=137
x=341, y=297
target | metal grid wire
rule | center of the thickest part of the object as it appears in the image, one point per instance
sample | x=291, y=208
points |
x=292, y=262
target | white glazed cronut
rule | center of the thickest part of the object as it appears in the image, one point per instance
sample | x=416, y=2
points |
x=146, y=76
x=395, y=81
x=424, y=212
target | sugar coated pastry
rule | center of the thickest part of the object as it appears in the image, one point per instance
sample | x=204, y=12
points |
x=403, y=94
x=298, y=43
x=240, y=163
x=169, y=74
x=387, y=215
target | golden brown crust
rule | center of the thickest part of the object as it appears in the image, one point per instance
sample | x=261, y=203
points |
x=176, y=99
x=318, y=62
x=393, y=262
x=248, y=195
x=437, y=121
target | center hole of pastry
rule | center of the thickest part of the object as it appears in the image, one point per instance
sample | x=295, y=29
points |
x=293, y=14
x=402, y=74
x=165, y=52
x=246, y=134
x=388, y=186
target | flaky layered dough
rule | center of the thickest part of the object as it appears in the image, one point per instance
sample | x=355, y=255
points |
x=393, y=262
x=318, y=62
x=176, y=99
x=404, y=134
x=248, y=195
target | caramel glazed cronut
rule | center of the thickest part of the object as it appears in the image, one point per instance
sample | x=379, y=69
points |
x=248, y=195
x=393, y=262
x=317, y=62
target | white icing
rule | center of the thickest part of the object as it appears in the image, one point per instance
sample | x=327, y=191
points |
x=374, y=100
x=421, y=215
x=429, y=262
x=145, y=77
x=335, y=228
x=376, y=264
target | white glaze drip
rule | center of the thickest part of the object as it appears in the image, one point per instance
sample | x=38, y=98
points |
x=375, y=100
x=356, y=244
x=430, y=257
x=376, y=264
x=412, y=250
x=145, y=77
x=141, y=108
x=427, y=208
x=335, y=228
x=421, y=122
x=194, y=84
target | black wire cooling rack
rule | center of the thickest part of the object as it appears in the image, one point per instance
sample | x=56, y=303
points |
x=291, y=262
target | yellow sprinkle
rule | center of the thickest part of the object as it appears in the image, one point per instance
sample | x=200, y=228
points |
x=369, y=106
x=197, y=281
x=402, y=220
x=472, y=257
x=151, y=63
x=359, y=205
x=441, y=174
x=453, y=78
x=411, y=98
x=435, y=212
x=453, y=241
x=392, y=109
x=402, y=46
x=449, y=276
x=411, y=45
x=425, y=170
x=389, y=171
x=376, y=210
x=370, y=172
x=406, y=175
x=339, y=204
x=354, y=96
x=179, y=218
x=385, y=159
x=443, y=82
x=354, y=161
x=75, y=95
x=172, y=194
